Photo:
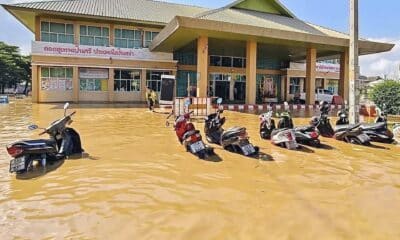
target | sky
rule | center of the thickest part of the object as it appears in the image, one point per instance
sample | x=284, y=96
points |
x=378, y=21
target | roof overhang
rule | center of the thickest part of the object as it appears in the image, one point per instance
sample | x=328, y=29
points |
x=183, y=30
x=27, y=16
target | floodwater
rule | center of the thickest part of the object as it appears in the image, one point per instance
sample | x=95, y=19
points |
x=137, y=182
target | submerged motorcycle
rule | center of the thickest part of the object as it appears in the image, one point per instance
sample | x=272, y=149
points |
x=322, y=122
x=283, y=136
x=63, y=142
x=378, y=131
x=234, y=139
x=191, y=138
x=350, y=133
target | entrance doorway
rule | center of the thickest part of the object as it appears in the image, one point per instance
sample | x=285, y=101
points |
x=230, y=87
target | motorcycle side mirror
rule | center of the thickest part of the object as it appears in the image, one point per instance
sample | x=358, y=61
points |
x=219, y=100
x=33, y=127
x=66, y=106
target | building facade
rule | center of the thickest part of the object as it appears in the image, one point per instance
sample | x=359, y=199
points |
x=245, y=52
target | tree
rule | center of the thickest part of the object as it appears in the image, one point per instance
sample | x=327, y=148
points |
x=386, y=95
x=14, y=67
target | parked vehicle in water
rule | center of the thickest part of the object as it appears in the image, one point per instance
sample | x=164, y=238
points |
x=284, y=135
x=191, y=138
x=234, y=139
x=63, y=142
x=351, y=133
x=267, y=125
x=379, y=131
x=320, y=95
x=322, y=122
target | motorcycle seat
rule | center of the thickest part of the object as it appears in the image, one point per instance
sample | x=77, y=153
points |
x=190, y=133
x=276, y=131
x=232, y=132
x=304, y=129
x=37, y=142
x=341, y=128
x=373, y=126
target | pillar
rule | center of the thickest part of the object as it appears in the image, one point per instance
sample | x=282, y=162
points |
x=75, y=84
x=251, y=72
x=37, y=28
x=288, y=77
x=111, y=43
x=143, y=84
x=76, y=33
x=202, y=66
x=344, y=75
x=310, y=75
x=232, y=89
x=111, y=84
x=174, y=73
x=35, y=83
x=325, y=83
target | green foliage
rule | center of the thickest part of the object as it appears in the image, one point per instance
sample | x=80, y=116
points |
x=386, y=96
x=14, y=68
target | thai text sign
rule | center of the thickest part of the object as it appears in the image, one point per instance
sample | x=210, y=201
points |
x=71, y=50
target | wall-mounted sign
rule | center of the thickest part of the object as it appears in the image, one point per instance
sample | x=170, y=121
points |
x=99, y=73
x=320, y=67
x=71, y=50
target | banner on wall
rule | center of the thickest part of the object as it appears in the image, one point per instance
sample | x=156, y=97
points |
x=71, y=50
x=320, y=67
x=97, y=73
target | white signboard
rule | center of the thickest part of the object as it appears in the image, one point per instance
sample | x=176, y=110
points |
x=96, y=73
x=321, y=67
x=71, y=50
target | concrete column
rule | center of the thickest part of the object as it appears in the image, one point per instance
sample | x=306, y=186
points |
x=143, y=84
x=251, y=72
x=202, y=66
x=283, y=89
x=232, y=89
x=310, y=75
x=287, y=87
x=76, y=33
x=37, y=28
x=111, y=84
x=111, y=35
x=174, y=73
x=35, y=83
x=75, y=84
x=344, y=75
x=325, y=83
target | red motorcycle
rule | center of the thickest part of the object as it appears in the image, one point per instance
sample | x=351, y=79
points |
x=191, y=138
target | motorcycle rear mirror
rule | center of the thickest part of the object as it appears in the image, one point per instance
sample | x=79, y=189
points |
x=219, y=100
x=66, y=106
x=33, y=127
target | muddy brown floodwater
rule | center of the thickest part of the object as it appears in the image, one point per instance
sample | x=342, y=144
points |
x=137, y=182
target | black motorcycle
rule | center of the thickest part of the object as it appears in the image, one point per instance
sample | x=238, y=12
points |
x=351, y=133
x=322, y=122
x=63, y=142
x=234, y=139
x=378, y=131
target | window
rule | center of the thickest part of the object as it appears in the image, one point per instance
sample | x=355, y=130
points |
x=126, y=80
x=154, y=79
x=94, y=36
x=148, y=38
x=56, y=32
x=226, y=61
x=294, y=86
x=56, y=79
x=125, y=38
x=215, y=61
x=93, y=79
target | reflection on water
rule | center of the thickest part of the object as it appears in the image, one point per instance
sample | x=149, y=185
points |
x=138, y=183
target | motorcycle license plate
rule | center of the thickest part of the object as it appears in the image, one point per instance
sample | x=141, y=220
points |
x=17, y=164
x=197, y=147
x=248, y=149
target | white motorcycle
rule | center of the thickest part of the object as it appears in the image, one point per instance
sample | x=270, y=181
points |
x=284, y=135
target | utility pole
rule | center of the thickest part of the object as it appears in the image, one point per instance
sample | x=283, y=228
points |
x=353, y=61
